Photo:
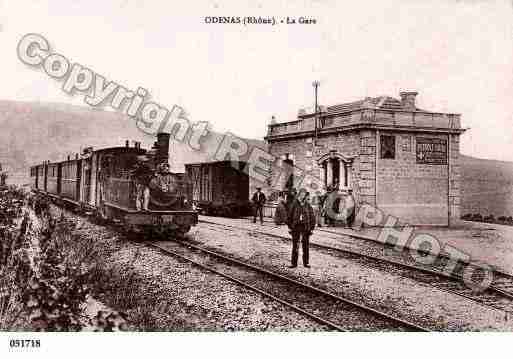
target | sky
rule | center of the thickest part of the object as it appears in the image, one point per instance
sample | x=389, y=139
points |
x=458, y=55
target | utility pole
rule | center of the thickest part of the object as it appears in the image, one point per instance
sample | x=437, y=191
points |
x=315, y=85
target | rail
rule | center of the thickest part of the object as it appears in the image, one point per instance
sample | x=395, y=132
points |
x=330, y=300
x=498, y=296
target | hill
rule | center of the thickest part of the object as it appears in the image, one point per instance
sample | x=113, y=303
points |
x=487, y=186
x=45, y=131
x=42, y=131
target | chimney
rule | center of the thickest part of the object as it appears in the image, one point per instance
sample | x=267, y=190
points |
x=408, y=100
x=69, y=157
x=76, y=156
x=127, y=143
x=162, y=154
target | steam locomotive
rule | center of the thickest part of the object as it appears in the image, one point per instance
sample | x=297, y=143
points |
x=102, y=182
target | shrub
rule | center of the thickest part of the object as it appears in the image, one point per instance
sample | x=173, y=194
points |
x=44, y=280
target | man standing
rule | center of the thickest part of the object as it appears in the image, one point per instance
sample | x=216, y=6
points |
x=258, y=200
x=301, y=222
x=143, y=175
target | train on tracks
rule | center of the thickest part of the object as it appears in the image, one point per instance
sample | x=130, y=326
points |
x=220, y=188
x=102, y=182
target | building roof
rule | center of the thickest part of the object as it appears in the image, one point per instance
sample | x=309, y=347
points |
x=383, y=112
x=378, y=103
x=381, y=102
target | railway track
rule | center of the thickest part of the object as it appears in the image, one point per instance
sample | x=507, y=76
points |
x=498, y=296
x=331, y=311
x=335, y=312
x=503, y=282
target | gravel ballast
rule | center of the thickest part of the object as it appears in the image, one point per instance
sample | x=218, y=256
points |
x=171, y=294
x=404, y=297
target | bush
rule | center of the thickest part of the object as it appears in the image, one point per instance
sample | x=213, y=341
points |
x=44, y=283
x=58, y=288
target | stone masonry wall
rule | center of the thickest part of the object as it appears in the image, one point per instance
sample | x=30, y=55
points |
x=365, y=169
x=414, y=193
x=455, y=180
x=305, y=156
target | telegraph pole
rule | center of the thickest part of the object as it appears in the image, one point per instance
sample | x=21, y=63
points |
x=315, y=85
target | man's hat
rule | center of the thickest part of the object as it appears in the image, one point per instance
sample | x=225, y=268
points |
x=259, y=188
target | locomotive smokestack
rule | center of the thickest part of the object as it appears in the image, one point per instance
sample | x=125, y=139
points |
x=162, y=154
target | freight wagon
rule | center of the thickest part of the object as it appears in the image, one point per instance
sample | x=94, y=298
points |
x=220, y=188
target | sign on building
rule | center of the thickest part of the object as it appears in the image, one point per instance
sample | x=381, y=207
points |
x=431, y=151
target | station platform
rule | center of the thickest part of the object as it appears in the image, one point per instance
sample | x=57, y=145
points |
x=488, y=243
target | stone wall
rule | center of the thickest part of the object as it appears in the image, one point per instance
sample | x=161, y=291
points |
x=365, y=169
x=455, y=180
x=305, y=155
x=415, y=193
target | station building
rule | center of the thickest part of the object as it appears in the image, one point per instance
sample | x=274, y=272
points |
x=395, y=156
